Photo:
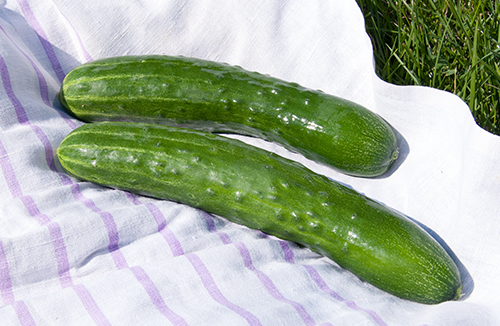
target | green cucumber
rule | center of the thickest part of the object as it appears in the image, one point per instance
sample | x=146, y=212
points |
x=261, y=190
x=217, y=97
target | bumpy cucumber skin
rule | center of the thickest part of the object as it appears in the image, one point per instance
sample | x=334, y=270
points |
x=217, y=97
x=264, y=191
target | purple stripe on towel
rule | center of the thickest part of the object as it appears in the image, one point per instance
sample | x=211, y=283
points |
x=195, y=261
x=142, y=276
x=6, y=290
x=5, y=282
x=14, y=187
x=8, y=173
x=48, y=48
x=56, y=237
x=214, y=291
x=264, y=279
x=42, y=82
x=270, y=287
x=22, y=117
x=91, y=306
x=172, y=241
x=325, y=288
x=54, y=229
x=44, y=90
x=351, y=304
x=155, y=296
x=23, y=313
x=287, y=251
x=109, y=224
x=86, y=55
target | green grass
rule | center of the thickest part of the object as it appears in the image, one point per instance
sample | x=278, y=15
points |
x=449, y=45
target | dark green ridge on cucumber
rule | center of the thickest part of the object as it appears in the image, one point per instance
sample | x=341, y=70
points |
x=264, y=191
x=217, y=97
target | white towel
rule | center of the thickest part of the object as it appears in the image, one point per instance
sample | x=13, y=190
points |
x=74, y=253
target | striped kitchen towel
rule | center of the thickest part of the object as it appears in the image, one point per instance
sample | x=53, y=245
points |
x=74, y=253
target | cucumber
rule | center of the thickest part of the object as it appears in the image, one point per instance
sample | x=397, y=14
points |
x=261, y=190
x=217, y=97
